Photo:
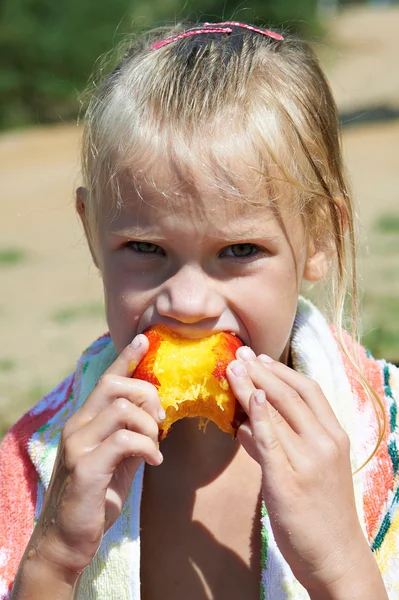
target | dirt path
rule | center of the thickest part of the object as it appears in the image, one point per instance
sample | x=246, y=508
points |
x=361, y=57
x=50, y=303
x=51, y=297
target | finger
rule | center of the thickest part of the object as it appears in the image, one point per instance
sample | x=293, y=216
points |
x=240, y=383
x=307, y=388
x=267, y=440
x=141, y=393
x=242, y=387
x=284, y=398
x=122, y=444
x=109, y=388
x=121, y=414
x=245, y=353
x=130, y=357
x=246, y=439
x=91, y=477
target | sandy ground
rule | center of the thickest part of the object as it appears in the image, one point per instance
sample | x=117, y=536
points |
x=360, y=56
x=50, y=299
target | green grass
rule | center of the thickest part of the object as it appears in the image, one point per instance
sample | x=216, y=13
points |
x=17, y=401
x=384, y=244
x=69, y=314
x=381, y=337
x=383, y=343
x=7, y=365
x=388, y=223
x=10, y=257
x=387, y=306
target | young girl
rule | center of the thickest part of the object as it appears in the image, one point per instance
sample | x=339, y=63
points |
x=213, y=187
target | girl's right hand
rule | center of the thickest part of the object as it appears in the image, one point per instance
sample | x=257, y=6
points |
x=100, y=450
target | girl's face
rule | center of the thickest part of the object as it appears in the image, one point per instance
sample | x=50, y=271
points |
x=204, y=265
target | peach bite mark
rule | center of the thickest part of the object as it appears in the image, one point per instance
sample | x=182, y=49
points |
x=190, y=376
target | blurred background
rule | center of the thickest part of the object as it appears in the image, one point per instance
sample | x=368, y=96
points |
x=50, y=294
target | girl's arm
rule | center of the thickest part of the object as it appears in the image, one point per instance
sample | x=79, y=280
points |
x=101, y=447
x=38, y=580
x=307, y=480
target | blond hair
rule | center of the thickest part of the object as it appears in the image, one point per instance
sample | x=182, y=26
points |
x=202, y=100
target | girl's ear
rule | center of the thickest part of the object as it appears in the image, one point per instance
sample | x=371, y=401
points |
x=317, y=263
x=321, y=252
x=80, y=204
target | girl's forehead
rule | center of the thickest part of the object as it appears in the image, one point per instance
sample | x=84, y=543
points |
x=238, y=185
x=163, y=200
x=219, y=161
x=162, y=191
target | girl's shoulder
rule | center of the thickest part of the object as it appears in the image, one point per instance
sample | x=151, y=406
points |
x=361, y=367
x=377, y=425
x=38, y=416
x=20, y=481
x=375, y=387
x=381, y=476
x=28, y=451
x=56, y=406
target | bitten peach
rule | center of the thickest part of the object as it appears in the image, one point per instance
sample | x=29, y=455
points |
x=190, y=375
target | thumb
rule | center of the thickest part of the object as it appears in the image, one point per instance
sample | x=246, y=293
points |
x=130, y=357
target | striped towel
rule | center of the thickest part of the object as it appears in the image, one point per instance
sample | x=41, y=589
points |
x=28, y=453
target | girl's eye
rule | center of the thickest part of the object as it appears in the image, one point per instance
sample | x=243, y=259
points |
x=145, y=247
x=241, y=250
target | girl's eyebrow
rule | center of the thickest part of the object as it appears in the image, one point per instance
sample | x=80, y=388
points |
x=135, y=232
x=245, y=236
x=228, y=235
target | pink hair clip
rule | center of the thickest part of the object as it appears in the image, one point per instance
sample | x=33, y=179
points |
x=266, y=32
x=225, y=27
x=188, y=33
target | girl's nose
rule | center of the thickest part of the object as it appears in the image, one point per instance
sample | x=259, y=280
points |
x=190, y=296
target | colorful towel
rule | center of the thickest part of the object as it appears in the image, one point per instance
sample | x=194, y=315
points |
x=28, y=453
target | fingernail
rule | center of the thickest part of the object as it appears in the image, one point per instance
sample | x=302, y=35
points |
x=245, y=353
x=161, y=414
x=137, y=341
x=238, y=369
x=259, y=397
x=160, y=457
x=265, y=359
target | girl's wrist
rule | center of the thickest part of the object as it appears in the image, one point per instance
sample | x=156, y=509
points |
x=361, y=579
x=39, y=578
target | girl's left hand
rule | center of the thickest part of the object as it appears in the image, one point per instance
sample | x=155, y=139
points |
x=307, y=485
